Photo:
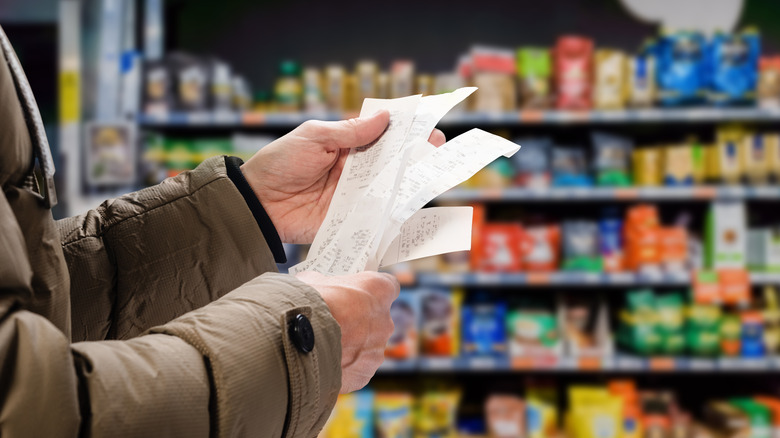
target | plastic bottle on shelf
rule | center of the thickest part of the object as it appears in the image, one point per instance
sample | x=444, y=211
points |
x=289, y=89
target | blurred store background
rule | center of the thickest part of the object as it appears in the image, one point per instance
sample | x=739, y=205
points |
x=623, y=275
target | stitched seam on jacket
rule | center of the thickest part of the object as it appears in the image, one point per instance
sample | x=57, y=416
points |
x=316, y=367
x=108, y=227
x=293, y=369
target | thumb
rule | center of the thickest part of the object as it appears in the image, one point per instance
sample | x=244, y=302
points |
x=359, y=131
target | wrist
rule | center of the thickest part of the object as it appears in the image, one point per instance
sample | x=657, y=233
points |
x=235, y=171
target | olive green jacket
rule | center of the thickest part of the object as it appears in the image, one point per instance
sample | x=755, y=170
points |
x=160, y=313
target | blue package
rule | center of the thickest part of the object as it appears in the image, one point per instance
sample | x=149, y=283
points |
x=611, y=237
x=569, y=168
x=682, y=72
x=732, y=62
x=752, y=338
x=483, y=329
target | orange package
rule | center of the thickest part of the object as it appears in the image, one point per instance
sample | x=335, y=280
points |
x=734, y=286
x=543, y=254
x=477, y=224
x=641, y=235
x=673, y=246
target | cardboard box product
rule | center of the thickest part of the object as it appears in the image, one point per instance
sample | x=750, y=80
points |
x=313, y=96
x=610, y=79
x=641, y=80
x=726, y=235
x=335, y=87
x=726, y=161
x=366, y=72
x=534, y=68
x=496, y=92
x=755, y=159
x=401, y=79
x=585, y=327
x=763, y=250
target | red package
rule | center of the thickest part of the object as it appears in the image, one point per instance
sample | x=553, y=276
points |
x=501, y=247
x=476, y=235
x=573, y=61
x=543, y=252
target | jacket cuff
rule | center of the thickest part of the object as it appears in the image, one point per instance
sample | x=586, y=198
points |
x=263, y=384
x=233, y=166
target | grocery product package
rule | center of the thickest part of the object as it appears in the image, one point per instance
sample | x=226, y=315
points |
x=581, y=246
x=594, y=413
x=505, y=416
x=533, y=170
x=610, y=79
x=483, y=328
x=405, y=311
x=440, y=311
x=436, y=414
x=733, y=63
x=534, y=69
x=611, y=159
x=532, y=328
x=682, y=71
x=393, y=415
x=352, y=417
x=569, y=167
x=573, y=65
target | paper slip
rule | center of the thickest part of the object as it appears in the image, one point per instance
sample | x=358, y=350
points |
x=375, y=217
x=429, y=232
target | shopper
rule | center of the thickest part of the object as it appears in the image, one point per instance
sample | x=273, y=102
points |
x=131, y=281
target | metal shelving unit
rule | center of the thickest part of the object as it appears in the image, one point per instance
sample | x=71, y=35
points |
x=617, y=363
x=524, y=117
x=569, y=279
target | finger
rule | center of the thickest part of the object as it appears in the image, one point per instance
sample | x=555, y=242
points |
x=357, y=132
x=394, y=287
x=437, y=138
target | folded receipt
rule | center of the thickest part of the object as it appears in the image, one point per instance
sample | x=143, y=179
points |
x=376, y=216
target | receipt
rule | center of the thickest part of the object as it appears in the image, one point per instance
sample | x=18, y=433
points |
x=362, y=166
x=429, y=232
x=375, y=217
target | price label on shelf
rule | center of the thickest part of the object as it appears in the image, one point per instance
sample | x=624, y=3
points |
x=662, y=364
x=589, y=363
x=253, y=118
x=629, y=363
x=620, y=277
x=439, y=363
x=482, y=363
x=626, y=193
x=538, y=278
x=487, y=278
x=486, y=194
x=530, y=116
x=523, y=363
x=198, y=118
x=697, y=364
x=704, y=192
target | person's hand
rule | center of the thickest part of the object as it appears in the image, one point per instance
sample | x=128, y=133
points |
x=295, y=176
x=360, y=303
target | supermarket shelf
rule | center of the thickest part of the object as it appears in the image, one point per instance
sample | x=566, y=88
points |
x=580, y=279
x=551, y=117
x=569, y=194
x=619, y=363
